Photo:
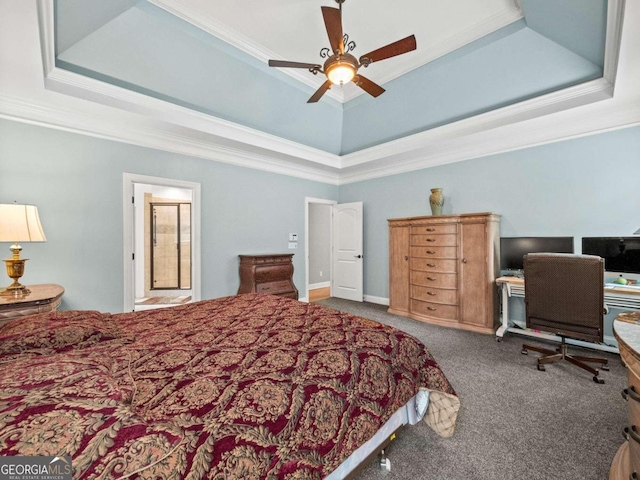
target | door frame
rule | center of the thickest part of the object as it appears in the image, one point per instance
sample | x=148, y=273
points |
x=128, y=182
x=307, y=202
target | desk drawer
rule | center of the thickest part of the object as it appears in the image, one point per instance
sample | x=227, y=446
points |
x=434, y=295
x=434, y=252
x=435, y=240
x=436, y=280
x=433, y=229
x=434, y=265
x=274, y=287
x=449, y=312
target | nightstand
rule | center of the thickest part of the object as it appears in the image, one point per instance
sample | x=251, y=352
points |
x=43, y=298
x=272, y=274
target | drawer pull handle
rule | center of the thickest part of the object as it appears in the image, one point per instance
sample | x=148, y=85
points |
x=631, y=432
x=433, y=279
x=432, y=309
x=431, y=239
x=464, y=260
x=406, y=257
x=266, y=288
x=430, y=252
x=431, y=229
x=633, y=476
x=431, y=293
x=431, y=264
x=630, y=392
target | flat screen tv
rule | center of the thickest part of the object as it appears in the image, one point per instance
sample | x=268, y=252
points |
x=513, y=249
x=620, y=254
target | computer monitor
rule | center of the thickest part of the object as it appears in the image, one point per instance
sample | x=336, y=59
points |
x=513, y=249
x=620, y=254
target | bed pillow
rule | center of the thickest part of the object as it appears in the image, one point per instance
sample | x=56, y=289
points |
x=56, y=332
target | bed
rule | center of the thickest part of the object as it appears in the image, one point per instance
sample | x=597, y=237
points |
x=249, y=386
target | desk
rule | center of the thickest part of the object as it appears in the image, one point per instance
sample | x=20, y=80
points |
x=43, y=298
x=618, y=296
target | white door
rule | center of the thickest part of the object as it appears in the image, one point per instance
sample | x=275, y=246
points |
x=346, y=279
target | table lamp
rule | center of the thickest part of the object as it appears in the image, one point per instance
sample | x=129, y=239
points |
x=18, y=223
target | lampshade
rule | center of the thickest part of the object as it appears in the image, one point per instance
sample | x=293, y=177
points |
x=20, y=223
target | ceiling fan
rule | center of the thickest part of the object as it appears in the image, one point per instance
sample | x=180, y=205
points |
x=341, y=67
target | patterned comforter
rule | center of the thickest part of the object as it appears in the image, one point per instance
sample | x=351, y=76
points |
x=244, y=387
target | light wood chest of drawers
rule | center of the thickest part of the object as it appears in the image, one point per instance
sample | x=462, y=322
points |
x=442, y=269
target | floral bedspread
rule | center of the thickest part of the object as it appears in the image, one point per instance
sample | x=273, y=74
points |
x=244, y=387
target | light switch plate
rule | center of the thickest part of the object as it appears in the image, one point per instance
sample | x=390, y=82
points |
x=293, y=237
x=293, y=245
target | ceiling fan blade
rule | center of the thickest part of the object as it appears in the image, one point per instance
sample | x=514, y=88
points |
x=320, y=92
x=333, y=24
x=368, y=86
x=393, y=49
x=285, y=64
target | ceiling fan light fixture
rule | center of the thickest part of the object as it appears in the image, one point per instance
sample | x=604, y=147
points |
x=341, y=69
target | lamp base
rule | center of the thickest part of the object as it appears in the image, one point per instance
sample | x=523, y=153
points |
x=15, y=270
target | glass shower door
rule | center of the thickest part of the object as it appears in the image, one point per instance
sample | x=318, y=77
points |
x=170, y=246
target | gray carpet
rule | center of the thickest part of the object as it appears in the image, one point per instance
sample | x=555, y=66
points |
x=515, y=422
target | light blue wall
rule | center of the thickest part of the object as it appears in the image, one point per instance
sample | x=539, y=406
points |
x=581, y=187
x=76, y=182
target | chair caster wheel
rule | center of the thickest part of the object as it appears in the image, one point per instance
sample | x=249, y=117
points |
x=498, y=339
x=605, y=368
x=598, y=380
x=541, y=368
x=524, y=352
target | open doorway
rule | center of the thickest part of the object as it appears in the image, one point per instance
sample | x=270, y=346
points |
x=162, y=245
x=333, y=246
x=318, y=247
x=163, y=236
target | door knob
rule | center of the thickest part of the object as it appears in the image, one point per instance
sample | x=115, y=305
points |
x=358, y=256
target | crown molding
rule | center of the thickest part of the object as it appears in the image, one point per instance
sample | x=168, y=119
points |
x=565, y=125
x=615, y=20
x=151, y=134
x=402, y=66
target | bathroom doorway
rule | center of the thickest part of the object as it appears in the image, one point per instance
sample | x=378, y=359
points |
x=164, y=243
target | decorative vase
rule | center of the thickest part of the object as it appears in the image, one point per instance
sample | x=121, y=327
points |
x=436, y=200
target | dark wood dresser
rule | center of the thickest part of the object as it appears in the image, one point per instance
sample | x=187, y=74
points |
x=272, y=274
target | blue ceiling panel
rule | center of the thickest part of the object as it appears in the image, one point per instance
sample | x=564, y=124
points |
x=579, y=25
x=471, y=81
x=75, y=19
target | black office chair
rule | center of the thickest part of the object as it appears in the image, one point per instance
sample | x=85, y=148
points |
x=564, y=295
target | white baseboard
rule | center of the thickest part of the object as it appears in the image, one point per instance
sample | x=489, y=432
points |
x=378, y=300
x=313, y=286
